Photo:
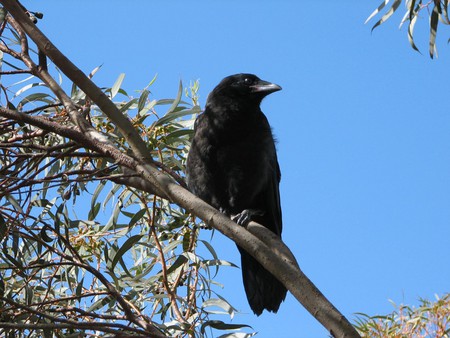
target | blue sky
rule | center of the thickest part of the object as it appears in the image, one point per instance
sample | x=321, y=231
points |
x=362, y=125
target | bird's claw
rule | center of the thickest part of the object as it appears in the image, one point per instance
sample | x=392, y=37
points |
x=244, y=217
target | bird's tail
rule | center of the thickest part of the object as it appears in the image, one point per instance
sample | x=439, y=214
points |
x=263, y=290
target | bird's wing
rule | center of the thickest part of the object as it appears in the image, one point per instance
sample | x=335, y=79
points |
x=273, y=198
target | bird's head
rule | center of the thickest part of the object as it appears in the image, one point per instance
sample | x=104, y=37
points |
x=242, y=87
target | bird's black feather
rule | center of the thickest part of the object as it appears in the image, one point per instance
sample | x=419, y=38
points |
x=232, y=165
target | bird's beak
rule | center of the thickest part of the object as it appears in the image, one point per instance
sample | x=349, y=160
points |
x=265, y=87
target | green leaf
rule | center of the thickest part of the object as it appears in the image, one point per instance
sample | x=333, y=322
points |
x=27, y=87
x=412, y=10
x=143, y=99
x=411, y=25
x=42, y=97
x=444, y=17
x=186, y=241
x=174, y=115
x=2, y=287
x=46, y=238
x=2, y=14
x=124, y=248
x=176, y=102
x=79, y=289
x=172, y=246
x=219, y=262
x=388, y=13
x=115, y=88
x=219, y=302
x=177, y=265
x=99, y=304
x=128, y=105
x=3, y=228
x=29, y=294
x=94, y=211
x=434, y=21
x=137, y=216
x=219, y=325
x=111, y=193
x=375, y=12
x=238, y=335
x=210, y=248
x=97, y=192
x=95, y=70
x=14, y=203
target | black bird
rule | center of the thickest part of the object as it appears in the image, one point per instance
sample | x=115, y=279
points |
x=232, y=165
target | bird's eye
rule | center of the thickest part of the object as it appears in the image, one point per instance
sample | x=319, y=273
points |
x=248, y=81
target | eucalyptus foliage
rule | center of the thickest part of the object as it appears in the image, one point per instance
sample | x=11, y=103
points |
x=428, y=320
x=435, y=10
x=82, y=253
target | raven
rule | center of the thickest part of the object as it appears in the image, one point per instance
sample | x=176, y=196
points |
x=232, y=165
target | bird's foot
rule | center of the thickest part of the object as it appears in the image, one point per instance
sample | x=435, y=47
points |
x=245, y=216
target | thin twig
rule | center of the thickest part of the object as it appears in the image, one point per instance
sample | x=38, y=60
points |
x=170, y=292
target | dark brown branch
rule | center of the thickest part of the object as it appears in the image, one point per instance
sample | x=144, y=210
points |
x=107, y=328
x=38, y=146
x=12, y=72
x=41, y=108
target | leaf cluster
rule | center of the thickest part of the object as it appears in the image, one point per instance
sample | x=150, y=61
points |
x=429, y=319
x=435, y=10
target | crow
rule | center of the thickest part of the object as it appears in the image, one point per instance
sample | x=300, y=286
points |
x=232, y=165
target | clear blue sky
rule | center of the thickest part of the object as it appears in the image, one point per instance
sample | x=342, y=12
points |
x=362, y=123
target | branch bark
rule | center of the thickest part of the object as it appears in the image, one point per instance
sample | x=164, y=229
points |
x=258, y=241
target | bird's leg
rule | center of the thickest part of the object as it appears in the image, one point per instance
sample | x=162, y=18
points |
x=245, y=216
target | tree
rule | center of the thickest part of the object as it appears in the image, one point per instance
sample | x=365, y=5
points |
x=144, y=271
x=436, y=9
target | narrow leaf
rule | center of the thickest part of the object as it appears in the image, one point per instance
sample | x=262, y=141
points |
x=115, y=88
x=28, y=86
x=178, y=98
x=14, y=203
x=412, y=12
x=376, y=11
x=46, y=238
x=124, y=248
x=219, y=325
x=128, y=105
x=3, y=228
x=411, y=33
x=143, y=99
x=97, y=192
x=388, y=13
x=137, y=216
x=174, y=115
x=95, y=70
x=179, y=262
x=434, y=21
x=238, y=335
